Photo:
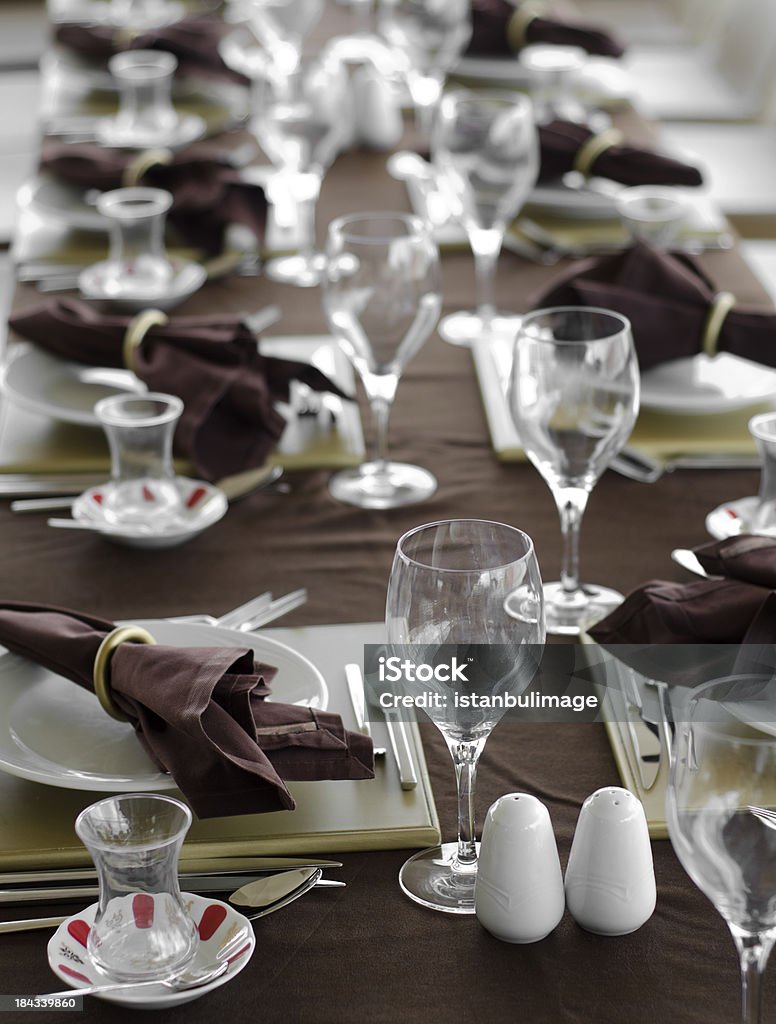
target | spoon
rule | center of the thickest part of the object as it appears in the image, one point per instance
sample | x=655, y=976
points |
x=188, y=979
x=689, y=561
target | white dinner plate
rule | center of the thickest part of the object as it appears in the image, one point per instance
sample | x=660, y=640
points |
x=602, y=80
x=702, y=385
x=56, y=733
x=60, y=389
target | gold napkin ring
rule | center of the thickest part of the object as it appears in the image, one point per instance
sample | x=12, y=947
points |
x=143, y=162
x=101, y=670
x=517, y=26
x=723, y=303
x=137, y=328
x=589, y=152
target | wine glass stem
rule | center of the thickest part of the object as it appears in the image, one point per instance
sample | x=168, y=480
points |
x=380, y=390
x=306, y=219
x=425, y=91
x=465, y=757
x=486, y=246
x=571, y=502
x=754, y=951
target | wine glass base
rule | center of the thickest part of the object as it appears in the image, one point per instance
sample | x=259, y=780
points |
x=302, y=271
x=570, y=616
x=433, y=879
x=389, y=485
x=464, y=328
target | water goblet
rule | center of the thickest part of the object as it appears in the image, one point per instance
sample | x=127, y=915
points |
x=302, y=121
x=486, y=150
x=763, y=430
x=721, y=793
x=382, y=300
x=471, y=588
x=429, y=36
x=281, y=26
x=574, y=398
x=141, y=930
x=140, y=430
x=554, y=72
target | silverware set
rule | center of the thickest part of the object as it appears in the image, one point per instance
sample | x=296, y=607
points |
x=637, y=465
x=396, y=728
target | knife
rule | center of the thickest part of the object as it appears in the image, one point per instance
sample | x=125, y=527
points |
x=242, y=866
x=650, y=726
x=355, y=685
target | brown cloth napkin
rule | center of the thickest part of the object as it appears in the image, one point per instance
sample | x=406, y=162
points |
x=200, y=713
x=562, y=141
x=229, y=422
x=207, y=193
x=489, y=32
x=193, y=40
x=668, y=299
x=706, y=629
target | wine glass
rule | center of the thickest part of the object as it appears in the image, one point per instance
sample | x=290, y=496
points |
x=574, y=398
x=302, y=121
x=281, y=26
x=721, y=821
x=470, y=589
x=382, y=300
x=429, y=36
x=486, y=150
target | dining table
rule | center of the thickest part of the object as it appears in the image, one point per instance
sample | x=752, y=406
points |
x=366, y=953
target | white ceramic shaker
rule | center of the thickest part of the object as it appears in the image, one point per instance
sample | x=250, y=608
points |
x=518, y=895
x=610, y=878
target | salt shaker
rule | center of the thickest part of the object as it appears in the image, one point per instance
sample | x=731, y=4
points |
x=518, y=895
x=610, y=879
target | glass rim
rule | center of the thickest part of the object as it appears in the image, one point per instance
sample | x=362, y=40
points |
x=81, y=826
x=409, y=560
x=697, y=694
x=755, y=424
x=107, y=415
x=415, y=226
x=161, y=61
x=512, y=99
x=535, y=314
x=109, y=204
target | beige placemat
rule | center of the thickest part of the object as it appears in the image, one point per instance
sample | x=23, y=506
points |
x=33, y=443
x=37, y=820
x=661, y=435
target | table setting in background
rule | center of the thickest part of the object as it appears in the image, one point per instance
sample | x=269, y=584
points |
x=261, y=217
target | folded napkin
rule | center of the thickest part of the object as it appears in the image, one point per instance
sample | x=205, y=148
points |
x=200, y=713
x=500, y=27
x=193, y=40
x=565, y=146
x=229, y=422
x=674, y=308
x=207, y=192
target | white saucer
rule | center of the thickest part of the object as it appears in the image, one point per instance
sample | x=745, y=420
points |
x=731, y=518
x=702, y=385
x=98, y=282
x=217, y=923
x=100, y=12
x=187, y=129
x=202, y=506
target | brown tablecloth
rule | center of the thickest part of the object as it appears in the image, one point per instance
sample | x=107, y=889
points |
x=366, y=953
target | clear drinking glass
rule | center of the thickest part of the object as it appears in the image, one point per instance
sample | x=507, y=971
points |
x=141, y=930
x=281, y=26
x=137, y=265
x=302, y=121
x=486, y=148
x=653, y=214
x=140, y=430
x=382, y=300
x=145, y=14
x=574, y=398
x=763, y=430
x=429, y=36
x=146, y=116
x=554, y=72
x=721, y=820
x=453, y=585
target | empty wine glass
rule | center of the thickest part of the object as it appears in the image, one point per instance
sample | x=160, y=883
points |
x=281, y=26
x=574, y=398
x=429, y=36
x=486, y=150
x=471, y=589
x=382, y=300
x=302, y=121
x=721, y=821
